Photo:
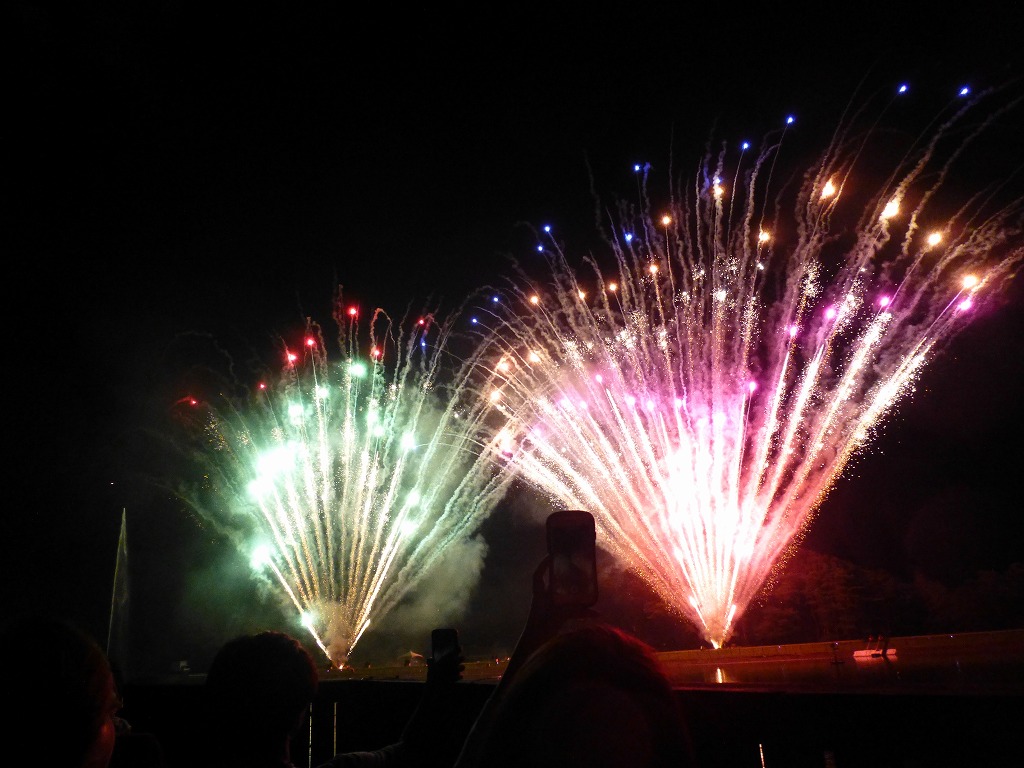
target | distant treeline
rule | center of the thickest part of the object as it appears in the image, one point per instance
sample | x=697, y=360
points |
x=820, y=597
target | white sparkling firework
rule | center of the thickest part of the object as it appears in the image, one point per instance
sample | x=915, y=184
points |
x=348, y=480
x=701, y=388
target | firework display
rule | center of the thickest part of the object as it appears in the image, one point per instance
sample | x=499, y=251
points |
x=347, y=480
x=701, y=383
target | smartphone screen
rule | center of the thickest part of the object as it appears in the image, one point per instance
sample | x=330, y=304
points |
x=444, y=641
x=572, y=540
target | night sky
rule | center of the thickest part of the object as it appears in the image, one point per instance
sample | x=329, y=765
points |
x=174, y=171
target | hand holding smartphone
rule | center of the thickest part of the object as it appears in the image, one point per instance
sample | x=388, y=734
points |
x=572, y=540
x=564, y=584
x=444, y=667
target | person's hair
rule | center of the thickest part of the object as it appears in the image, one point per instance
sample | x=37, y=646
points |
x=62, y=687
x=260, y=684
x=593, y=696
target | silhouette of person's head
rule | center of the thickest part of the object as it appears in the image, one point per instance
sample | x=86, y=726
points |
x=258, y=690
x=65, y=694
x=591, y=696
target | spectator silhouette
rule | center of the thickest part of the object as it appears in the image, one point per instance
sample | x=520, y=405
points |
x=65, y=694
x=578, y=691
x=258, y=691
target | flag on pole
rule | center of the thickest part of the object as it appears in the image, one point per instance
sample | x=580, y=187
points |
x=117, y=633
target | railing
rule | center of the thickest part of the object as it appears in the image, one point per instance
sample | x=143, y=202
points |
x=937, y=700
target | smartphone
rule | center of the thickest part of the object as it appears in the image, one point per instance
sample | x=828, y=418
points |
x=572, y=541
x=444, y=641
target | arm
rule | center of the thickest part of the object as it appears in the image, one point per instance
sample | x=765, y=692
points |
x=544, y=621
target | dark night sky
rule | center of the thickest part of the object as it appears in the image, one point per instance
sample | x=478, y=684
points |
x=176, y=170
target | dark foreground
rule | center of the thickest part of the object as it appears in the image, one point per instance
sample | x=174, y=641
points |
x=949, y=700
